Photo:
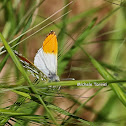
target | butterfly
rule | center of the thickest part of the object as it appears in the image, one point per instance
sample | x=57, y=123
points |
x=45, y=60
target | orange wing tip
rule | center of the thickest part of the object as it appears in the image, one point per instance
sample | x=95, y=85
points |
x=50, y=44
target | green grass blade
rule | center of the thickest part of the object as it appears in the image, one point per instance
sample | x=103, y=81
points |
x=11, y=113
x=29, y=108
x=77, y=82
x=63, y=61
x=6, y=57
x=61, y=36
x=62, y=111
x=106, y=110
x=21, y=69
x=119, y=91
x=16, y=61
x=3, y=62
x=22, y=94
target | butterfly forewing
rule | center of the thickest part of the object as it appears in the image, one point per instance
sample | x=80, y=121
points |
x=46, y=57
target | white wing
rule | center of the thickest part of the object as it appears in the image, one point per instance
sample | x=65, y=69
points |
x=46, y=62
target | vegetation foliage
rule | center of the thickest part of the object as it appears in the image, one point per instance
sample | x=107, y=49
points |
x=91, y=44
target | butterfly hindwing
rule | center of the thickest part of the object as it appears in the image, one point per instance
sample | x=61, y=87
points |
x=31, y=67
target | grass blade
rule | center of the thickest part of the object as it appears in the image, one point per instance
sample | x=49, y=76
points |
x=21, y=69
x=106, y=75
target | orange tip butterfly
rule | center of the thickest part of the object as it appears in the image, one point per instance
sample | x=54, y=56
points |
x=45, y=60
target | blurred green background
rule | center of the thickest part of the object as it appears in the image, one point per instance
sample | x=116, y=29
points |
x=97, y=27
